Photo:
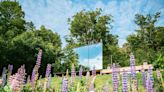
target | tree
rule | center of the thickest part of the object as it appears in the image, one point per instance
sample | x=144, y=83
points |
x=12, y=20
x=146, y=33
x=89, y=27
x=12, y=23
x=148, y=41
x=24, y=49
x=20, y=41
x=69, y=58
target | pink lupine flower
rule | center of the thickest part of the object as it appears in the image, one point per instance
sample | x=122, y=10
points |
x=14, y=83
x=17, y=80
x=1, y=82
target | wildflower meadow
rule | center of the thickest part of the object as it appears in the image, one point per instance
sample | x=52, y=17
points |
x=125, y=81
x=81, y=45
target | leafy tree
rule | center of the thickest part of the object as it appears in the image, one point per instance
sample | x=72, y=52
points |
x=20, y=42
x=12, y=23
x=24, y=49
x=89, y=27
x=69, y=58
x=148, y=42
x=12, y=20
x=146, y=33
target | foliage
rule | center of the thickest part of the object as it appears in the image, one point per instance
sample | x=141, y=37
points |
x=20, y=41
x=12, y=23
x=148, y=42
x=89, y=27
x=25, y=46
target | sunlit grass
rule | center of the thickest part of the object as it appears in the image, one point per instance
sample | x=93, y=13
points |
x=101, y=80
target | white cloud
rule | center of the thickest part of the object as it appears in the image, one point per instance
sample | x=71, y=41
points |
x=54, y=13
x=51, y=13
x=124, y=12
x=96, y=61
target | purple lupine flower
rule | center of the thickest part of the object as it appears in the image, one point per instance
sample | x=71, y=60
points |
x=10, y=68
x=73, y=72
x=38, y=62
x=33, y=78
x=48, y=70
x=143, y=77
x=65, y=84
x=124, y=81
x=149, y=84
x=34, y=75
x=132, y=66
x=114, y=78
x=133, y=73
x=80, y=72
x=94, y=71
x=158, y=73
x=73, y=75
x=39, y=57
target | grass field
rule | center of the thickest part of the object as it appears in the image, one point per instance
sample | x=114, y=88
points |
x=99, y=82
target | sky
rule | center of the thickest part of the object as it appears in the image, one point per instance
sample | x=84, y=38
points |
x=90, y=56
x=55, y=13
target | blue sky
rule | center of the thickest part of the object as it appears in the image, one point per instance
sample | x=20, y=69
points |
x=54, y=13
